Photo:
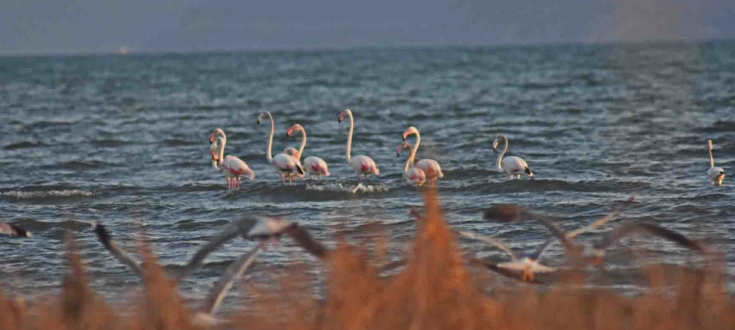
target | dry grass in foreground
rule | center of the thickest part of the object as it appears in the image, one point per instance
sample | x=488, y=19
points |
x=436, y=290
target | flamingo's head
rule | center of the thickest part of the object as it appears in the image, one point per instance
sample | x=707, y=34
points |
x=262, y=117
x=291, y=152
x=403, y=145
x=709, y=143
x=294, y=128
x=409, y=131
x=497, y=141
x=213, y=149
x=218, y=132
x=343, y=114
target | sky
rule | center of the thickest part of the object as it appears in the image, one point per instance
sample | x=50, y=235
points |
x=102, y=26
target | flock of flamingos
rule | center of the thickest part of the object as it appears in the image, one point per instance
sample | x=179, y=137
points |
x=264, y=229
x=288, y=163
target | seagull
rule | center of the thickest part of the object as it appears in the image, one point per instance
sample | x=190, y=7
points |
x=12, y=230
x=526, y=264
x=257, y=228
x=594, y=255
x=253, y=228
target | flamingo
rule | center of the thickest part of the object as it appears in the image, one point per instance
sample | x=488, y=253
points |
x=411, y=173
x=12, y=230
x=510, y=165
x=233, y=167
x=714, y=174
x=429, y=166
x=314, y=165
x=284, y=164
x=360, y=164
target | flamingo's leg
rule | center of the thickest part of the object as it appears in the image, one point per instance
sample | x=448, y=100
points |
x=229, y=184
x=238, y=181
x=283, y=178
x=319, y=176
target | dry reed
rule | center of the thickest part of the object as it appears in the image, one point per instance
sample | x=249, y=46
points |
x=436, y=289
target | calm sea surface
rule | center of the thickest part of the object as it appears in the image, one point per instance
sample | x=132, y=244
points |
x=123, y=140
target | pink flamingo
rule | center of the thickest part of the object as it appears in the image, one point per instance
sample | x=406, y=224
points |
x=361, y=164
x=314, y=165
x=411, y=173
x=284, y=164
x=233, y=167
x=430, y=167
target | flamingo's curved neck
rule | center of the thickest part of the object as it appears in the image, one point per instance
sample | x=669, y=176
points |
x=409, y=161
x=218, y=166
x=269, y=155
x=711, y=158
x=303, y=142
x=500, y=157
x=415, y=149
x=349, y=136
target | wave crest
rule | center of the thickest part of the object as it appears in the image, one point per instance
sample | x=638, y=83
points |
x=47, y=194
x=338, y=187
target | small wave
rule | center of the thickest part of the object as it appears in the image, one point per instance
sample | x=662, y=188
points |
x=360, y=188
x=47, y=194
x=23, y=145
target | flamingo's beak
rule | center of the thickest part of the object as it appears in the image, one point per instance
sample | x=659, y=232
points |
x=211, y=138
x=288, y=133
x=341, y=116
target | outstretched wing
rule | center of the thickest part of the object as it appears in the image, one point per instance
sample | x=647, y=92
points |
x=496, y=242
x=303, y=238
x=648, y=228
x=571, y=235
x=232, y=273
x=106, y=239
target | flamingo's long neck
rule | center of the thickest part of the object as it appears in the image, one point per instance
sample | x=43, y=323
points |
x=349, y=136
x=409, y=161
x=269, y=155
x=415, y=149
x=500, y=158
x=303, y=142
x=711, y=158
x=218, y=166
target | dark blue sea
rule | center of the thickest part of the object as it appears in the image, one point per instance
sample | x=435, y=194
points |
x=123, y=140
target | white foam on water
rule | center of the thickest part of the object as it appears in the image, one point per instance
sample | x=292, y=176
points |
x=359, y=188
x=47, y=194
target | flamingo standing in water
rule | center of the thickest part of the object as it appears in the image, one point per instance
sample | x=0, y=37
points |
x=411, y=173
x=510, y=165
x=360, y=164
x=714, y=174
x=430, y=167
x=233, y=167
x=284, y=164
x=314, y=165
